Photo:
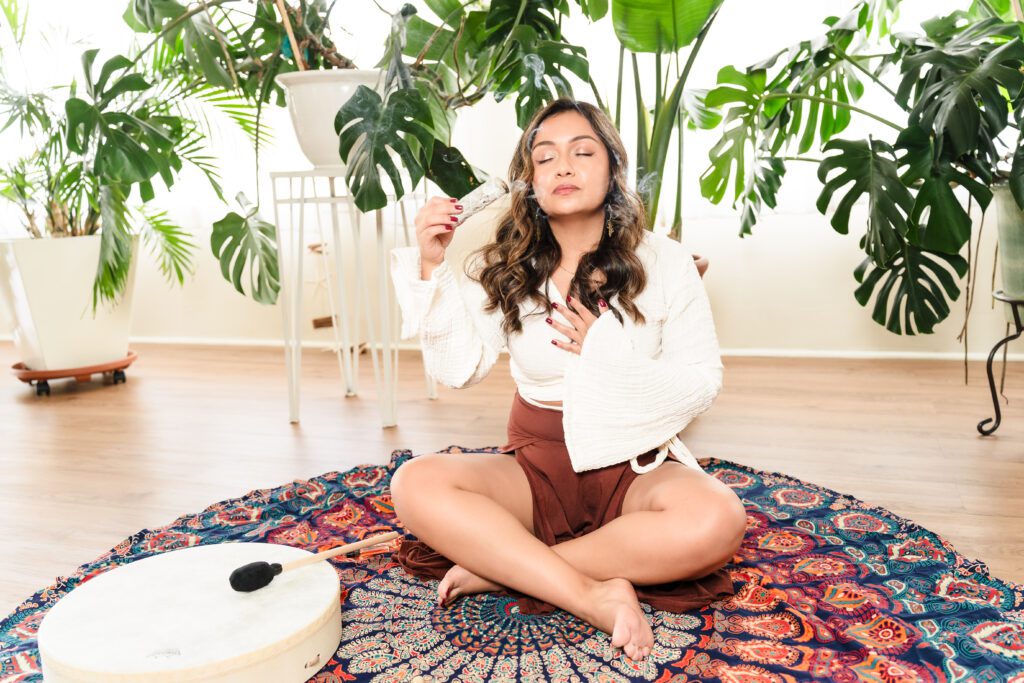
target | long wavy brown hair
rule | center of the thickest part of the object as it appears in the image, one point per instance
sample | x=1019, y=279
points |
x=525, y=253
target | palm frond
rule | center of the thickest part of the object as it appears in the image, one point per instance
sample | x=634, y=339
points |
x=170, y=244
x=115, y=246
x=191, y=150
x=239, y=110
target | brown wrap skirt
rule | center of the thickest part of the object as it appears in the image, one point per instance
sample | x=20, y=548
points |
x=568, y=504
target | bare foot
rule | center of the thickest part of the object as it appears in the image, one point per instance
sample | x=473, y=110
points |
x=459, y=582
x=615, y=610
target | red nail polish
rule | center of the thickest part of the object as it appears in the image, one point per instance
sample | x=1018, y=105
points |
x=568, y=299
x=459, y=207
x=455, y=219
x=554, y=305
x=554, y=342
x=547, y=320
x=453, y=200
x=603, y=304
x=449, y=227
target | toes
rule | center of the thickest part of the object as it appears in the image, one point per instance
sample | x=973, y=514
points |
x=442, y=590
x=620, y=634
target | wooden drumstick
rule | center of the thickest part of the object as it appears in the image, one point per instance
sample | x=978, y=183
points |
x=256, y=575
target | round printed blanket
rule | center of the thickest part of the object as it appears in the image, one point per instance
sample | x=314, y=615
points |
x=827, y=589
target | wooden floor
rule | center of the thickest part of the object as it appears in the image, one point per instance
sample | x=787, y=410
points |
x=91, y=464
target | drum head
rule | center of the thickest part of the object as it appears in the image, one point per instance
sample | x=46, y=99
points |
x=174, y=616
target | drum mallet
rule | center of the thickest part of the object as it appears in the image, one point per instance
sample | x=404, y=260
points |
x=256, y=575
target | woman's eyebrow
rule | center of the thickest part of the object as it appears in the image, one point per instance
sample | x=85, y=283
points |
x=548, y=142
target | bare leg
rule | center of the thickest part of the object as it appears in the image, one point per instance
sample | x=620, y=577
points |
x=479, y=534
x=697, y=530
x=599, y=554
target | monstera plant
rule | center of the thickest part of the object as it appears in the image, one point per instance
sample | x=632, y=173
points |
x=959, y=88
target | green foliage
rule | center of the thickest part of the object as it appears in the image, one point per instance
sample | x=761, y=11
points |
x=115, y=245
x=366, y=114
x=534, y=72
x=870, y=170
x=645, y=26
x=245, y=245
x=169, y=243
x=912, y=296
x=959, y=82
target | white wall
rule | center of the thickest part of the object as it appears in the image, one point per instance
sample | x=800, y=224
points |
x=788, y=289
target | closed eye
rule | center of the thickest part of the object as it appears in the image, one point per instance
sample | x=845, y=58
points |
x=549, y=158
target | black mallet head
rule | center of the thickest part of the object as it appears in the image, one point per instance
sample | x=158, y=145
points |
x=253, y=576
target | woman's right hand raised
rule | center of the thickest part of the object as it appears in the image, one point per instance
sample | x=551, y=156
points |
x=435, y=227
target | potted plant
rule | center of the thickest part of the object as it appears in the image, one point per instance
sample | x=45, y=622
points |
x=256, y=53
x=90, y=153
x=960, y=87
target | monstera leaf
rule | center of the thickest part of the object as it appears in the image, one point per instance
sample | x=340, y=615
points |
x=743, y=92
x=504, y=16
x=247, y=244
x=376, y=125
x=763, y=182
x=450, y=171
x=946, y=225
x=912, y=291
x=536, y=63
x=959, y=87
x=807, y=120
x=868, y=166
x=694, y=107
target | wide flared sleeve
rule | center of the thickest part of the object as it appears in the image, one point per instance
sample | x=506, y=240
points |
x=619, y=404
x=460, y=341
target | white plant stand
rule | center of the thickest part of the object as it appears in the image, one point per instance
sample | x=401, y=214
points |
x=293, y=193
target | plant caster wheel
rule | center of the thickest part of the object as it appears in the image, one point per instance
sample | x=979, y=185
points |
x=115, y=369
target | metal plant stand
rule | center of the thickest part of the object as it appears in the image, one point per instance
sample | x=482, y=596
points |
x=1015, y=303
x=301, y=191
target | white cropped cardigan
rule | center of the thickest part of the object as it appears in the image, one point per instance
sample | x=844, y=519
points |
x=632, y=388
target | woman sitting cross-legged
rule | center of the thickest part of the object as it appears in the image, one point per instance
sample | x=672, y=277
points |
x=613, y=350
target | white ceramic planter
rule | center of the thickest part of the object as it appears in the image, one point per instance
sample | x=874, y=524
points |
x=1011, y=245
x=46, y=285
x=314, y=98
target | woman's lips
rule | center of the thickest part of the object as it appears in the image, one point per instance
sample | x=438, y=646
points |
x=566, y=190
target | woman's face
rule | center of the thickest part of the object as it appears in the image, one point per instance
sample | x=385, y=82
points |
x=567, y=151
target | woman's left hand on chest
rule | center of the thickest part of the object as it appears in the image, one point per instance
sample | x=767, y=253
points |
x=580, y=320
